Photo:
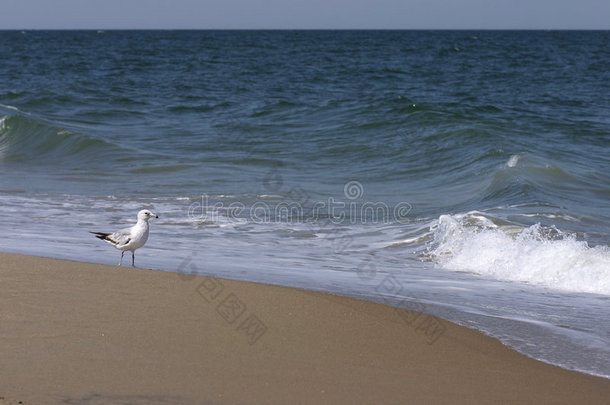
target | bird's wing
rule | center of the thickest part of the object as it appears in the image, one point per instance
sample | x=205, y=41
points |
x=120, y=238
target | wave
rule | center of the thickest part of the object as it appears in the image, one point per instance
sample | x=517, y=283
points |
x=542, y=256
x=23, y=138
x=198, y=108
x=526, y=177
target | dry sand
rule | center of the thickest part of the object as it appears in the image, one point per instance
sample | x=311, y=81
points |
x=78, y=333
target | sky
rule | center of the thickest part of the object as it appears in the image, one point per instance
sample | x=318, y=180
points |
x=305, y=14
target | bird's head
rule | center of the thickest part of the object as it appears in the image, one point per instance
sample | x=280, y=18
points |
x=145, y=215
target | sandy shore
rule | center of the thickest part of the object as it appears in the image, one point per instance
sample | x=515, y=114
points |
x=78, y=333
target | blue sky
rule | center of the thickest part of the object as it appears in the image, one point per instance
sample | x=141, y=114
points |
x=359, y=14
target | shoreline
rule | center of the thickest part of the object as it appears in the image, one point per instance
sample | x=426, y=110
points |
x=80, y=332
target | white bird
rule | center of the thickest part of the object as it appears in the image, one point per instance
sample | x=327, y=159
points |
x=129, y=238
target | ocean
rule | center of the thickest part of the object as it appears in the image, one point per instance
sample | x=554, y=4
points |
x=464, y=174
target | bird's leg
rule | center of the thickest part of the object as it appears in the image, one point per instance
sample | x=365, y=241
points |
x=121, y=261
x=133, y=258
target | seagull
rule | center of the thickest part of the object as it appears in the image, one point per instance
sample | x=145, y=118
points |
x=129, y=238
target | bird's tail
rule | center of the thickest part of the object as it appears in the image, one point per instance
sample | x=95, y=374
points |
x=100, y=235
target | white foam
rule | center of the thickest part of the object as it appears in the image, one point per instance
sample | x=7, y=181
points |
x=512, y=161
x=13, y=108
x=535, y=255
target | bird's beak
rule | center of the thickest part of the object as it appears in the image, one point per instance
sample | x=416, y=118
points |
x=156, y=216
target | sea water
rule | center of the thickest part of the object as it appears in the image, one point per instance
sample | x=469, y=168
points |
x=461, y=173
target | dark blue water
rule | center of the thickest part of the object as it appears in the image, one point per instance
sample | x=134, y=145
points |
x=470, y=167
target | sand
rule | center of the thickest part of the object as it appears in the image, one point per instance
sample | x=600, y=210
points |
x=79, y=333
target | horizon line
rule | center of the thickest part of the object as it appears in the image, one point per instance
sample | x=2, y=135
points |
x=304, y=29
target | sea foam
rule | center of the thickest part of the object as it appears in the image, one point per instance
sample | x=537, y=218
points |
x=535, y=255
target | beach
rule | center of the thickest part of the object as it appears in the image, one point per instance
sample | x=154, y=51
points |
x=86, y=333
x=420, y=169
